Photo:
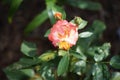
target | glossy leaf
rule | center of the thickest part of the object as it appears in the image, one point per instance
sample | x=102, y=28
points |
x=82, y=24
x=78, y=55
x=103, y=52
x=97, y=72
x=47, y=56
x=23, y=63
x=62, y=52
x=84, y=43
x=36, y=22
x=47, y=71
x=63, y=65
x=100, y=72
x=98, y=26
x=115, y=76
x=28, y=48
x=15, y=75
x=106, y=72
x=79, y=67
x=51, y=16
x=49, y=5
x=13, y=8
x=99, y=52
x=89, y=69
x=85, y=4
x=115, y=62
x=28, y=72
x=21, y=74
x=85, y=34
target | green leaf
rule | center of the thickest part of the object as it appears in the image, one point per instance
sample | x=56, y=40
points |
x=47, y=56
x=97, y=72
x=115, y=62
x=84, y=43
x=28, y=72
x=115, y=76
x=47, y=71
x=78, y=55
x=47, y=33
x=103, y=52
x=98, y=26
x=79, y=67
x=13, y=8
x=82, y=24
x=49, y=5
x=51, y=16
x=20, y=70
x=15, y=75
x=19, y=74
x=85, y=34
x=23, y=63
x=100, y=72
x=62, y=52
x=36, y=22
x=63, y=65
x=106, y=72
x=29, y=49
x=89, y=69
x=99, y=52
x=85, y=4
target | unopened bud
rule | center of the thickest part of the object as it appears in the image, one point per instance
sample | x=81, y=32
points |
x=78, y=20
x=58, y=15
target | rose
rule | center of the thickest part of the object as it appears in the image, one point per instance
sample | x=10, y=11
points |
x=63, y=34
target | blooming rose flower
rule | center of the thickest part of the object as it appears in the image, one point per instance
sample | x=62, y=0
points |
x=63, y=34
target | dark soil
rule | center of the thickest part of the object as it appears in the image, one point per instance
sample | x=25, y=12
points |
x=11, y=35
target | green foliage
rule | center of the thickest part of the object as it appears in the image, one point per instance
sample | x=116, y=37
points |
x=38, y=20
x=78, y=55
x=63, y=65
x=46, y=71
x=88, y=59
x=15, y=75
x=85, y=4
x=115, y=76
x=79, y=67
x=99, y=53
x=47, y=56
x=51, y=8
x=13, y=8
x=29, y=49
x=100, y=72
x=85, y=34
x=20, y=70
x=114, y=62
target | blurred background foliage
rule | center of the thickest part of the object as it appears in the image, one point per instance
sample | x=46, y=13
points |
x=29, y=20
